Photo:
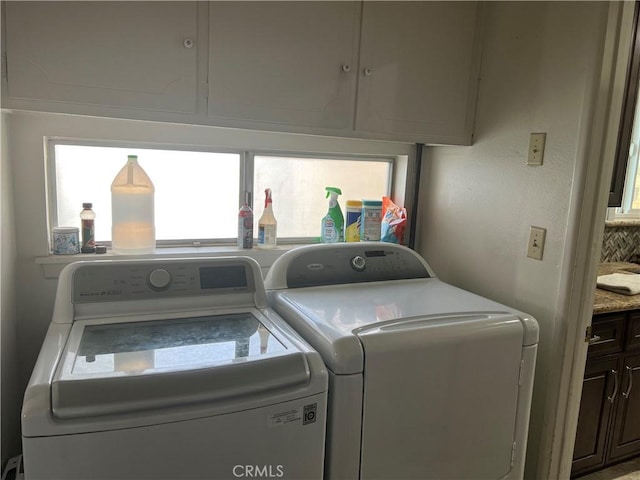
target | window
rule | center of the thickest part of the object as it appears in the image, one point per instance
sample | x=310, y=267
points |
x=625, y=184
x=299, y=194
x=631, y=193
x=198, y=192
x=630, y=201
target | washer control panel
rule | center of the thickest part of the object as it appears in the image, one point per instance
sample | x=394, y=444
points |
x=118, y=281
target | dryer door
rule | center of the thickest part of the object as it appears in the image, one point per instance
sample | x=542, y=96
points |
x=440, y=397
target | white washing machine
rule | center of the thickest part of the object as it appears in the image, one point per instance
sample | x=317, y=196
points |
x=172, y=369
x=426, y=381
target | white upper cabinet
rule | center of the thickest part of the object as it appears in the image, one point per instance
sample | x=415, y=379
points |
x=418, y=70
x=410, y=73
x=286, y=63
x=389, y=70
x=122, y=54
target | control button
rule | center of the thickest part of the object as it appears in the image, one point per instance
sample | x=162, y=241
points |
x=159, y=279
x=358, y=263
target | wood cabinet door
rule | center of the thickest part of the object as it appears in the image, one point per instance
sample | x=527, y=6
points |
x=599, y=391
x=418, y=70
x=625, y=440
x=120, y=54
x=284, y=63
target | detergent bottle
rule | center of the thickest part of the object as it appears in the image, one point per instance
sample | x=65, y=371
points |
x=333, y=221
x=132, y=210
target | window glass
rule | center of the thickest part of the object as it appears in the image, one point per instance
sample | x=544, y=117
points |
x=196, y=193
x=631, y=196
x=298, y=188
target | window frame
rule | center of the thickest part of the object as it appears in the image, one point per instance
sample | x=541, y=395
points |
x=623, y=178
x=246, y=177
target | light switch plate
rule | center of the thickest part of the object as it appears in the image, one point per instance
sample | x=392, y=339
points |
x=535, y=248
x=536, y=148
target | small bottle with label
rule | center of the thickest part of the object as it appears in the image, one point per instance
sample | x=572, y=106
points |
x=267, y=225
x=245, y=225
x=87, y=221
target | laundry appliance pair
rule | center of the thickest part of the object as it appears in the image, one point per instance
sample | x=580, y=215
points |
x=183, y=369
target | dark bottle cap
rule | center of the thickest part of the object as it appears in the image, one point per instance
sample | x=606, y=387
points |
x=101, y=249
x=87, y=205
x=88, y=250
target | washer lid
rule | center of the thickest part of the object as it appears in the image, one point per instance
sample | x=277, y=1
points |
x=125, y=366
x=330, y=318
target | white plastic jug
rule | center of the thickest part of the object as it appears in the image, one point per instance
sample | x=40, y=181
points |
x=132, y=210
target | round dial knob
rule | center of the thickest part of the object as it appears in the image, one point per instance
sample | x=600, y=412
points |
x=358, y=263
x=159, y=279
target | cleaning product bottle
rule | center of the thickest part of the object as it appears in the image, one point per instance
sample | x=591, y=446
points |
x=267, y=225
x=245, y=225
x=132, y=210
x=352, y=222
x=333, y=221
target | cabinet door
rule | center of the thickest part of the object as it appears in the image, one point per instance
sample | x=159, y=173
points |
x=418, y=70
x=599, y=391
x=124, y=54
x=625, y=439
x=287, y=63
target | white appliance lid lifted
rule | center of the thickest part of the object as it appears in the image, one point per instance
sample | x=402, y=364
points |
x=344, y=294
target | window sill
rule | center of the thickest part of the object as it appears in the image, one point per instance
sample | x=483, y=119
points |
x=52, y=265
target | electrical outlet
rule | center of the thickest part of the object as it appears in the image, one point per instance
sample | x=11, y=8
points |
x=535, y=248
x=536, y=148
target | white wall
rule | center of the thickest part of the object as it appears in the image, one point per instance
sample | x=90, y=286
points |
x=10, y=394
x=478, y=202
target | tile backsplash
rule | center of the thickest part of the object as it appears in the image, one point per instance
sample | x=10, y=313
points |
x=621, y=242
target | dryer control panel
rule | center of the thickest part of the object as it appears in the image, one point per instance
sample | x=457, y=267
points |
x=319, y=265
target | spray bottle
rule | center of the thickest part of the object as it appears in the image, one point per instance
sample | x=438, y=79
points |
x=267, y=224
x=333, y=221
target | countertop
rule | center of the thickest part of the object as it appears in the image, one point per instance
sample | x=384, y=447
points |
x=608, y=302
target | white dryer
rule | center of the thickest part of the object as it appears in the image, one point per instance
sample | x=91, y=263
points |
x=426, y=381
x=172, y=369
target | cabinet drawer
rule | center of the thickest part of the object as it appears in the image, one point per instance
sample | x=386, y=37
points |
x=633, y=331
x=606, y=334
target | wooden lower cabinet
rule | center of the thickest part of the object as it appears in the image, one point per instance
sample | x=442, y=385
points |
x=625, y=440
x=595, y=411
x=609, y=419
